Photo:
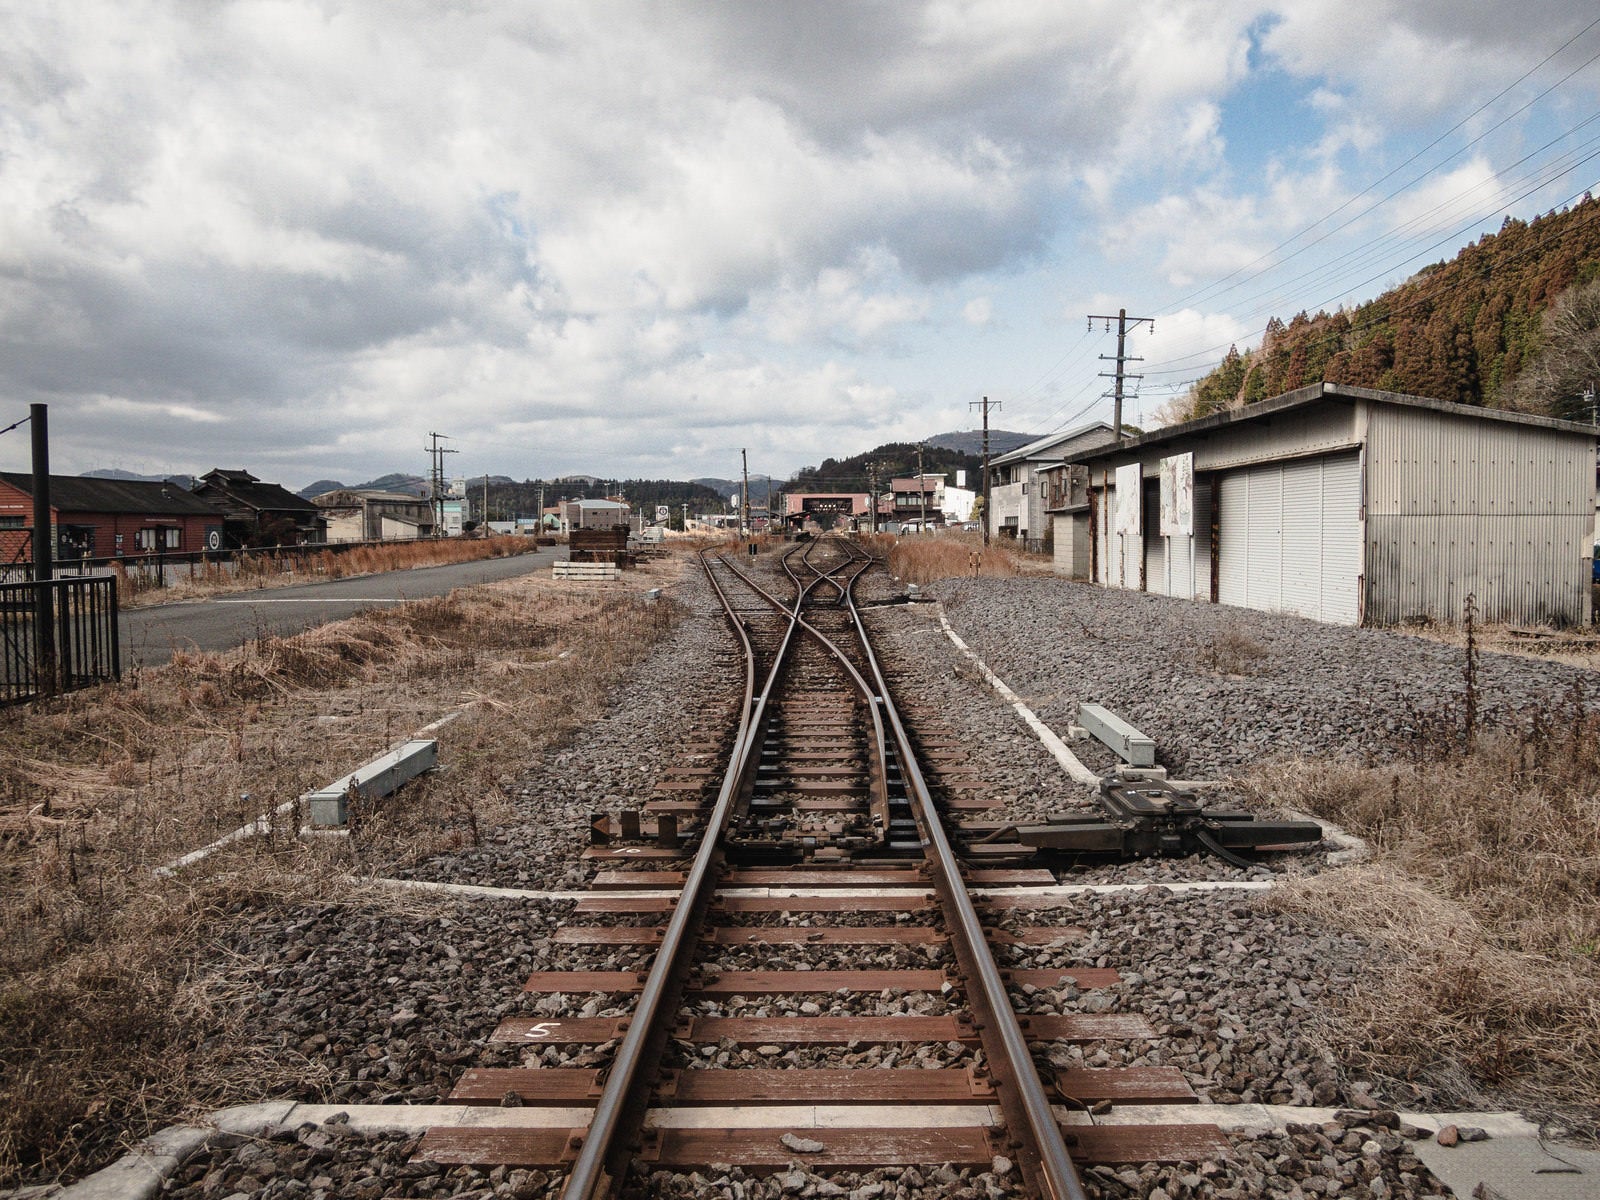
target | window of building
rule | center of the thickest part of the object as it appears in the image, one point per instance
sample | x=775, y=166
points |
x=8, y=521
x=158, y=537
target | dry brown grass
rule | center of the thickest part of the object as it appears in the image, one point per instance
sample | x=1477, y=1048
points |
x=1574, y=647
x=104, y=1034
x=1486, y=887
x=138, y=585
x=924, y=558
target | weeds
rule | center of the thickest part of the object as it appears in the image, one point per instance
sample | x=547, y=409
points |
x=1233, y=652
x=926, y=558
x=1487, y=889
x=140, y=582
x=107, y=1028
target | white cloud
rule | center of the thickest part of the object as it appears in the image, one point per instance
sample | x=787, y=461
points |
x=300, y=234
x=1443, y=202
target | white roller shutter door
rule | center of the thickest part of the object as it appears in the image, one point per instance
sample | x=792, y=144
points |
x=1290, y=538
x=1233, y=540
x=1341, y=539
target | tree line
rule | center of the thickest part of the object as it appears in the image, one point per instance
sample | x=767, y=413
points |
x=1510, y=322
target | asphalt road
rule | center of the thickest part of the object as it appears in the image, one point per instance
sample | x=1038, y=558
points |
x=149, y=635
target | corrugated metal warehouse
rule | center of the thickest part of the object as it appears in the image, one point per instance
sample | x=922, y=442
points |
x=1346, y=505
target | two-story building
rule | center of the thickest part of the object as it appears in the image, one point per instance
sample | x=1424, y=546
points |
x=1018, y=492
x=260, y=514
x=918, y=498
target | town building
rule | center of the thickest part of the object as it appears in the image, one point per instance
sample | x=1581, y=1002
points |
x=842, y=510
x=916, y=498
x=1346, y=505
x=594, y=514
x=107, y=519
x=260, y=514
x=1017, y=490
x=373, y=515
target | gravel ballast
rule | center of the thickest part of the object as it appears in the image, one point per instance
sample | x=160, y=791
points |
x=389, y=1003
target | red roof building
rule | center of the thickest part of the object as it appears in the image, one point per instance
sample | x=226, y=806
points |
x=106, y=518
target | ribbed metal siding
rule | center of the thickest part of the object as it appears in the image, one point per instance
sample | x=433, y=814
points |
x=1458, y=506
x=1318, y=431
x=1233, y=537
x=1300, y=550
x=1264, y=549
x=1340, y=548
x=1291, y=537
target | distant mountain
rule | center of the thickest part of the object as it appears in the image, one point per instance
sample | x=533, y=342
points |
x=728, y=489
x=186, y=482
x=416, y=485
x=413, y=485
x=970, y=441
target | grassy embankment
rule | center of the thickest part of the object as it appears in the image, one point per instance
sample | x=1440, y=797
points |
x=139, y=586
x=110, y=1026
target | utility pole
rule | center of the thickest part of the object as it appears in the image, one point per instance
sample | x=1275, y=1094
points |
x=1123, y=325
x=744, y=500
x=540, y=521
x=922, y=492
x=872, y=493
x=436, y=455
x=47, y=675
x=987, y=405
x=485, y=521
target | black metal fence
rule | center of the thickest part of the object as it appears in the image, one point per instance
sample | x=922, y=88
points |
x=57, y=636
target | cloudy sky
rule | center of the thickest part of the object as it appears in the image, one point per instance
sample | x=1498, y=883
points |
x=630, y=239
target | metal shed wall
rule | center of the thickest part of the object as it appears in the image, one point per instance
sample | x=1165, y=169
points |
x=1456, y=506
x=1275, y=438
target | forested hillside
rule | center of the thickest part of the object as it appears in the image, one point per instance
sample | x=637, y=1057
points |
x=1463, y=330
x=886, y=462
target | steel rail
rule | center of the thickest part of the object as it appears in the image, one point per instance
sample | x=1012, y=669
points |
x=856, y=557
x=879, y=803
x=619, y=1112
x=1024, y=1103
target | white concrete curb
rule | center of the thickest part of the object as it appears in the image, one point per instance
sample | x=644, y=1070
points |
x=141, y=1174
x=1068, y=760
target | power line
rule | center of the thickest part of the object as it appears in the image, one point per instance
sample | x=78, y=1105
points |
x=1193, y=296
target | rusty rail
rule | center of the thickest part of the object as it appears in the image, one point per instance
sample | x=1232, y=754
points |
x=1044, y=1158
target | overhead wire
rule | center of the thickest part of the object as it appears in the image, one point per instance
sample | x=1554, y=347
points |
x=1360, y=256
x=1372, y=250
x=1485, y=106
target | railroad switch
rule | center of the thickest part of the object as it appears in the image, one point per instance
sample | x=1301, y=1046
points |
x=1144, y=818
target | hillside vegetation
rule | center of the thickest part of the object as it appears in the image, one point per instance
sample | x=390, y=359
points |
x=1472, y=330
x=893, y=460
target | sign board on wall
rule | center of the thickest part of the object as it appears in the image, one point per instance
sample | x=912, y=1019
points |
x=1177, y=496
x=1128, y=489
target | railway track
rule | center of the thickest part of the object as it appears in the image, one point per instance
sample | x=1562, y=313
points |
x=819, y=977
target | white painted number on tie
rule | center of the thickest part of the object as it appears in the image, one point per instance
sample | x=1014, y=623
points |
x=543, y=1029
